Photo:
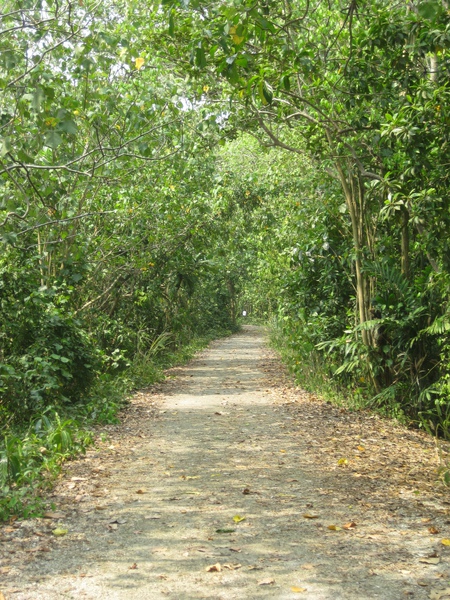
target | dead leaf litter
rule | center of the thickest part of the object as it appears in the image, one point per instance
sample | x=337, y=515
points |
x=317, y=500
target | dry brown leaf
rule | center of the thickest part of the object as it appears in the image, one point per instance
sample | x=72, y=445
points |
x=133, y=566
x=334, y=528
x=267, y=581
x=440, y=594
x=298, y=590
x=2, y=597
x=232, y=567
x=433, y=560
x=310, y=516
x=361, y=448
x=140, y=492
x=54, y=515
x=349, y=525
x=217, y=568
x=433, y=530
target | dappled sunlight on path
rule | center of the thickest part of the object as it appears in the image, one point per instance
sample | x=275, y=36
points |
x=222, y=499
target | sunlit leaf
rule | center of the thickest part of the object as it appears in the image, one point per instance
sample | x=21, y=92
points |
x=139, y=62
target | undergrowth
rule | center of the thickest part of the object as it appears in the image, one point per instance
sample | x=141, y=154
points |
x=313, y=373
x=305, y=365
x=32, y=453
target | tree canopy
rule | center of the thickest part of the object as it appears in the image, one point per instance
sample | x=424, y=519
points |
x=164, y=166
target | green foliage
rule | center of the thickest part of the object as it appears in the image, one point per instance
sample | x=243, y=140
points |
x=162, y=172
x=33, y=459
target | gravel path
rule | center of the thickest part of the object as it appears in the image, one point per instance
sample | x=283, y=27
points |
x=226, y=482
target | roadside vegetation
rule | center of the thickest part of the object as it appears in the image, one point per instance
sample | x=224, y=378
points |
x=165, y=166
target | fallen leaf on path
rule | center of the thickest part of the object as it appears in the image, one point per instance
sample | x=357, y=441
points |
x=2, y=597
x=307, y=566
x=234, y=549
x=440, y=594
x=133, y=566
x=433, y=530
x=299, y=590
x=342, y=462
x=246, y=491
x=188, y=477
x=217, y=568
x=310, y=516
x=118, y=521
x=152, y=517
x=349, y=525
x=445, y=542
x=232, y=567
x=59, y=531
x=361, y=448
x=267, y=581
x=434, y=560
x=140, y=492
x=54, y=515
x=334, y=528
x=225, y=530
x=238, y=518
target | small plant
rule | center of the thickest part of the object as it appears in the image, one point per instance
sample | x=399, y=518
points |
x=31, y=460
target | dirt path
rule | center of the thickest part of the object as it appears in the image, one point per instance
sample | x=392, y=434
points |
x=331, y=505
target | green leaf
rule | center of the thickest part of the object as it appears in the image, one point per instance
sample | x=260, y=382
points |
x=429, y=10
x=5, y=146
x=265, y=93
x=38, y=98
x=171, y=25
x=52, y=139
x=68, y=126
x=225, y=530
x=200, y=58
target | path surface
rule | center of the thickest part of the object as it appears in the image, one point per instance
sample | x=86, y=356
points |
x=151, y=513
